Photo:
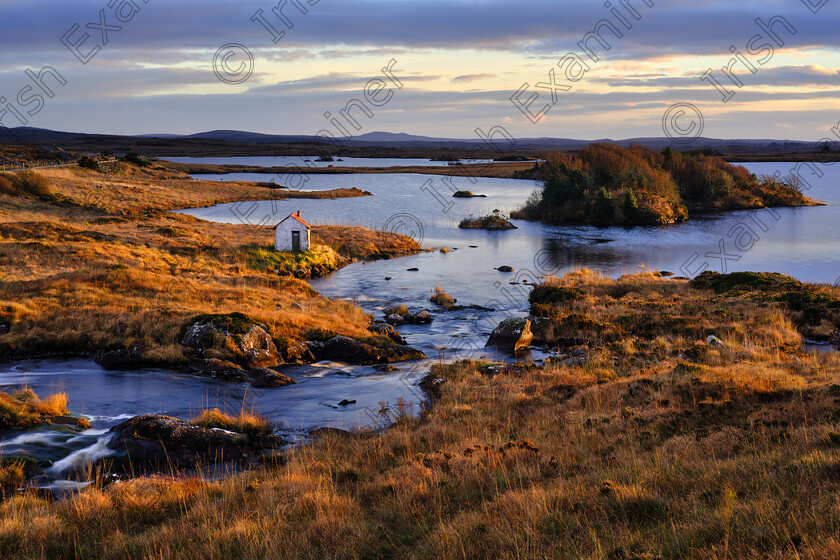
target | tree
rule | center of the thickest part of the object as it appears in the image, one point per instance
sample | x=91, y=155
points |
x=630, y=206
x=602, y=209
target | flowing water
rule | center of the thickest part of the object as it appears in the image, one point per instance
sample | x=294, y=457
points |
x=801, y=242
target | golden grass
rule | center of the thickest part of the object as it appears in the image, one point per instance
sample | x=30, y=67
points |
x=245, y=422
x=728, y=453
x=23, y=409
x=135, y=274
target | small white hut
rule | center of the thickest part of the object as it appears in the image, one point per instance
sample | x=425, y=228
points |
x=292, y=234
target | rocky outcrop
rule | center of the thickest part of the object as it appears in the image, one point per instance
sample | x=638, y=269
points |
x=511, y=334
x=235, y=338
x=154, y=442
x=352, y=351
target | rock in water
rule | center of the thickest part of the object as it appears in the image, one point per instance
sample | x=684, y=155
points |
x=505, y=268
x=419, y=317
x=511, y=334
x=263, y=378
x=155, y=442
x=349, y=350
x=384, y=329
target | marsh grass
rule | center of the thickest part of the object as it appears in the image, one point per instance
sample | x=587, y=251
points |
x=245, y=423
x=644, y=451
x=133, y=273
x=23, y=408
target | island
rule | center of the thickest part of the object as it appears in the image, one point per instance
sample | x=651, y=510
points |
x=605, y=184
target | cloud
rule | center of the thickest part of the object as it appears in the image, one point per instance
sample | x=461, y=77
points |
x=473, y=77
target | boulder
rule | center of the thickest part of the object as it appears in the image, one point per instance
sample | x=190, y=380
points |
x=258, y=349
x=394, y=319
x=419, y=317
x=121, y=358
x=196, y=335
x=155, y=442
x=384, y=329
x=579, y=353
x=352, y=351
x=251, y=348
x=712, y=340
x=298, y=353
x=114, y=359
x=511, y=334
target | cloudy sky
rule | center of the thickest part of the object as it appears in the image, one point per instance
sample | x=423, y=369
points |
x=459, y=62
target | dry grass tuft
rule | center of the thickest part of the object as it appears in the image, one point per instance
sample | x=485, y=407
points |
x=245, y=423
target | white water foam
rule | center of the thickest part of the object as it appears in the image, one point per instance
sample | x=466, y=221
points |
x=84, y=457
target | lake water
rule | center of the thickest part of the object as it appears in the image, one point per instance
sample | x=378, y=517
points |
x=312, y=161
x=802, y=242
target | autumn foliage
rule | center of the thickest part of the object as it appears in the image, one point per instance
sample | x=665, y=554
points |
x=610, y=185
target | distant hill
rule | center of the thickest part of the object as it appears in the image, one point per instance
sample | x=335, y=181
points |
x=386, y=140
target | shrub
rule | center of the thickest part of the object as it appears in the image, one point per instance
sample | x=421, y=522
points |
x=136, y=160
x=6, y=186
x=440, y=297
x=31, y=184
x=400, y=310
x=87, y=162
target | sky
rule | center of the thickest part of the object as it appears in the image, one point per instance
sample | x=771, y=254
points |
x=455, y=65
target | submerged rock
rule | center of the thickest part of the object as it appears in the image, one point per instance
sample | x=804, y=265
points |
x=511, y=334
x=264, y=378
x=219, y=369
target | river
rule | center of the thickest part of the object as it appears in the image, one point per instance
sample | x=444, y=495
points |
x=801, y=242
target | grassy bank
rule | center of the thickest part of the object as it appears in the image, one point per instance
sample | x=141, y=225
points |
x=609, y=185
x=656, y=445
x=96, y=262
x=502, y=170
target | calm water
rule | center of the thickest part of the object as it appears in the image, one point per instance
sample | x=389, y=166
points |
x=301, y=161
x=802, y=242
